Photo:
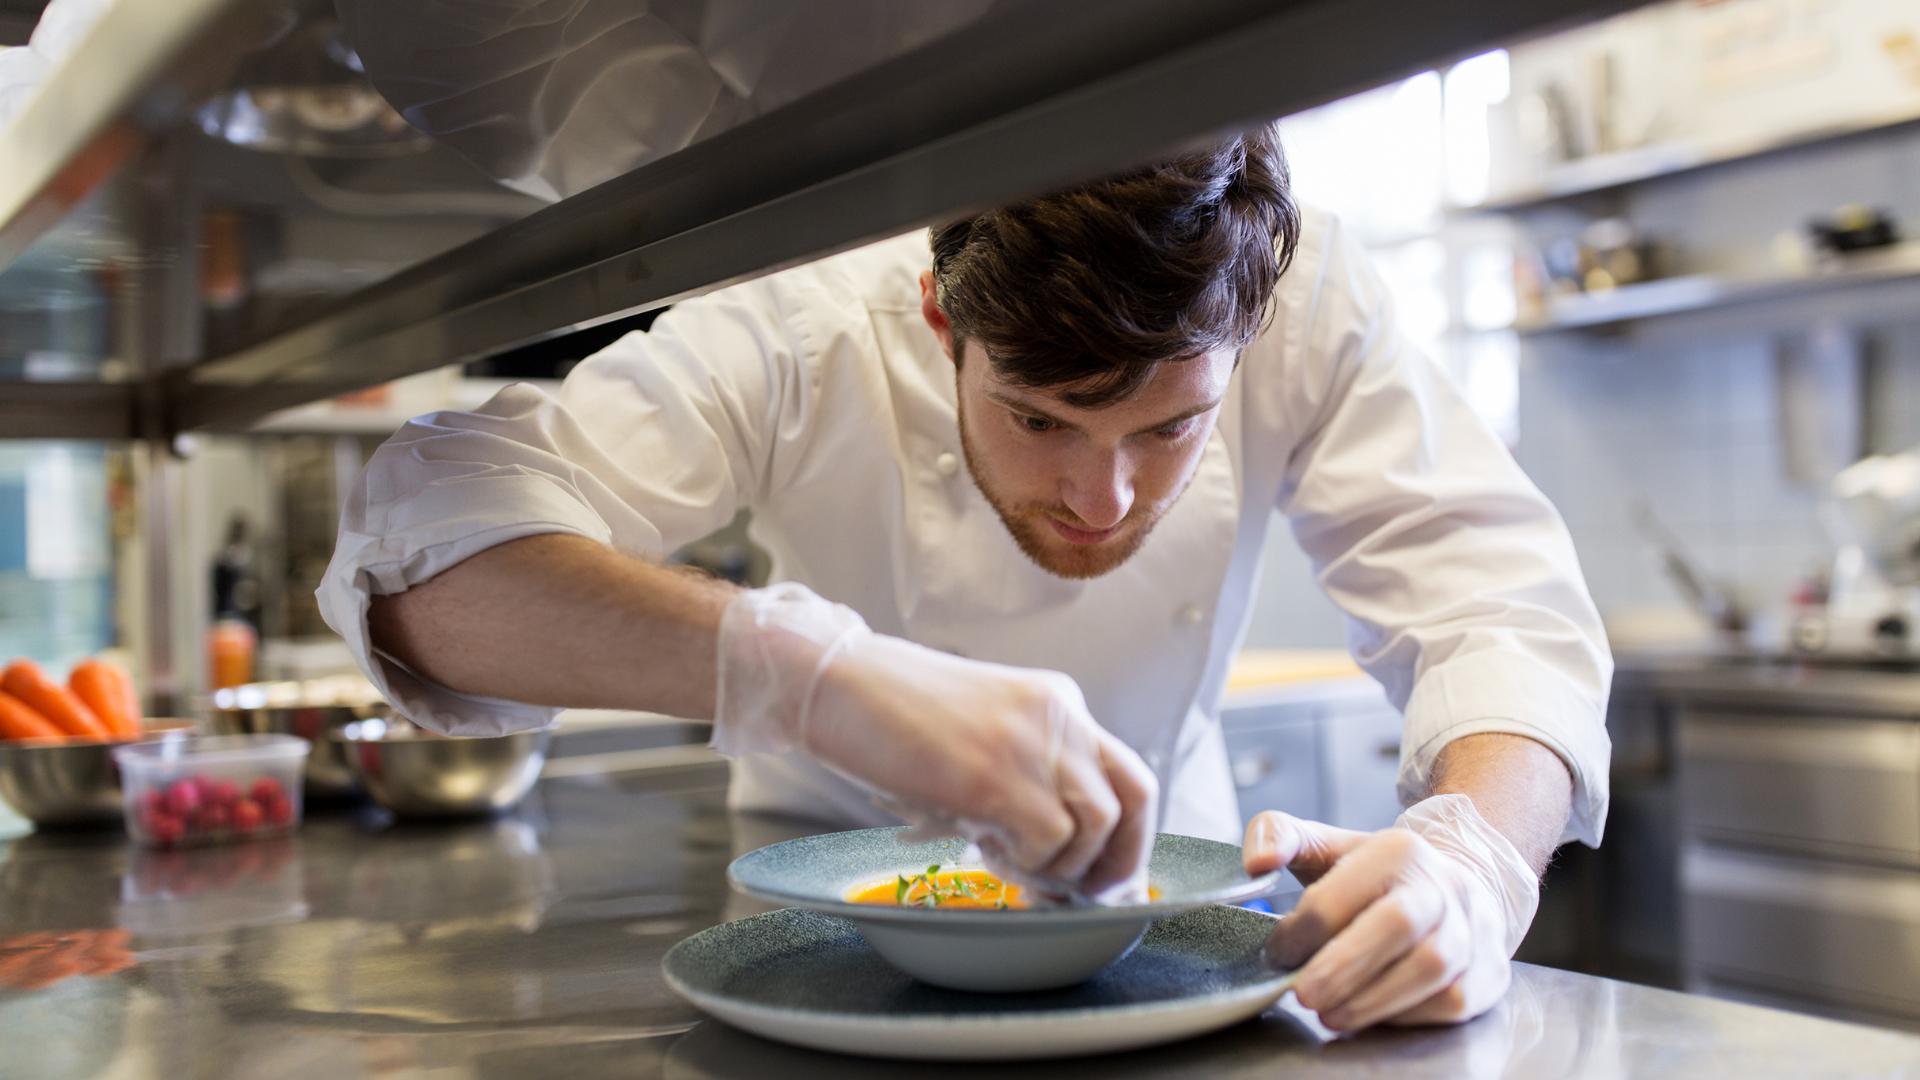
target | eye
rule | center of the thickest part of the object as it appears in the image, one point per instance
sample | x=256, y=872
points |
x=1039, y=425
x=1173, y=432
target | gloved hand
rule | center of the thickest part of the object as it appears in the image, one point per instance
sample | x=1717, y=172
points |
x=1415, y=924
x=1008, y=757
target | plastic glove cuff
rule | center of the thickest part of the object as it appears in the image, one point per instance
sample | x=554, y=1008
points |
x=1454, y=826
x=773, y=645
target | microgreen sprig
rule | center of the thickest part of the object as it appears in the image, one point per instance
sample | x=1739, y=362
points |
x=926, y=890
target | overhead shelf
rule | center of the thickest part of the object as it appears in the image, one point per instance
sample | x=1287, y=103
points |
x=134, y=74
x=1706, y=292
x=1603, y=172
x=1048, y=95
x=347, y=418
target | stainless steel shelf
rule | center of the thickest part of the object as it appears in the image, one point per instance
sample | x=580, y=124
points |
x=1047, y=96
x=1703, y=293
x=140, y=68
x=338, y=418
x=1628, y=167
x=67, y=410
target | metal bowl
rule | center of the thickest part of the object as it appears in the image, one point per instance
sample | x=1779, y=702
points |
x=56, y=782
x=314, y=709
x=416, y=773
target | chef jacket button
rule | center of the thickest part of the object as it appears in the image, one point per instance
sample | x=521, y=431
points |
x=1189, y=615
x=946, y=465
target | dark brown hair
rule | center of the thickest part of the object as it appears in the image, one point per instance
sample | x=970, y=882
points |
x=1093, y=287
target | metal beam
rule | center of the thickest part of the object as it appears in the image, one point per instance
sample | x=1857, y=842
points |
x=1042, y=96
x=66, y=410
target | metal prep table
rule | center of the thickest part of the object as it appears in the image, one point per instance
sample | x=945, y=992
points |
x=531, y=946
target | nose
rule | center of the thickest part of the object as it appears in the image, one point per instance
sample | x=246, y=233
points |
x=1100, y=490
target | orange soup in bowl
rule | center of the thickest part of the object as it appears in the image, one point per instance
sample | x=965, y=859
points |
x=971, y=890
x=963, y=890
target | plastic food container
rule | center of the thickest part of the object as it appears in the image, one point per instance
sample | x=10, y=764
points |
x=211, y=789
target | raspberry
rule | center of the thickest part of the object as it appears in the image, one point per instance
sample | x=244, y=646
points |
x=182, y=797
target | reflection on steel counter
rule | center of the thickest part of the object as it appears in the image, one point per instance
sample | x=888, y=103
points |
x=532, y=945
x=37, y=960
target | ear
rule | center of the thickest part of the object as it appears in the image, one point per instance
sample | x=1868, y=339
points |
x=936, y=319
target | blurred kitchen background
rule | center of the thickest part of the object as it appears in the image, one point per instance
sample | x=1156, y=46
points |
x=1673, y=257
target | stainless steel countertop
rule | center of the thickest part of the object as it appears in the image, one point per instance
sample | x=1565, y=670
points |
x=531, y=946
x=1730, y=680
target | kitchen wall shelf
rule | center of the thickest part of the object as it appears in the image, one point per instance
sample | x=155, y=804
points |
x=1707, y=292
x=1604, y=172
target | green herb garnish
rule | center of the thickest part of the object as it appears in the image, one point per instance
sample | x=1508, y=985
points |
x=927, y=891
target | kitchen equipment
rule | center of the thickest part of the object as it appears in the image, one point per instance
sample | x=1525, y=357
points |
x=1854, y=228
x=416, y=773
x=1603, y=255
x=810, y=979
x=1705, y=595
x=1037, y=948
x=56, y=782
x=313, y=709
x=1873, y=599
x=1799, y=814
x=205, y=789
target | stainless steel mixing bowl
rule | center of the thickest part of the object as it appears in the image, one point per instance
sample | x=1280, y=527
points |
x=415, y=773
x=314, y=709
x=70, y=782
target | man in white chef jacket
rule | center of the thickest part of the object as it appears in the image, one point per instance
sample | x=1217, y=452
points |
x=1015, y=475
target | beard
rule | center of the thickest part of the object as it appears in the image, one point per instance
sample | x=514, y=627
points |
x=1028, y=524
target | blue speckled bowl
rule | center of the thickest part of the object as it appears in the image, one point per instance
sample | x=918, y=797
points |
x=1033, y=949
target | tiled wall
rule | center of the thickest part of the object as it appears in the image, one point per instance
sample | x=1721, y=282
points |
x=1692, y=429
x=1692, y=432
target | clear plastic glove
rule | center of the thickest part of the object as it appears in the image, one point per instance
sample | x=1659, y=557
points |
x=1007, y=757
x=1416, y=924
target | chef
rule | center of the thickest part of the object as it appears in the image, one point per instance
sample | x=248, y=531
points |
x=1015, y=474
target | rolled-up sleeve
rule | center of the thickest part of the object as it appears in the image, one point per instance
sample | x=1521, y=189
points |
x=651, y=443
x=1463, y=592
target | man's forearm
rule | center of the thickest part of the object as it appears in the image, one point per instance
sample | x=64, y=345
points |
x=1522, y=788
x=561, y=620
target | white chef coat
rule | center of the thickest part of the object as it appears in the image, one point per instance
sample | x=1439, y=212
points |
x=819, y=399
x=24, y=67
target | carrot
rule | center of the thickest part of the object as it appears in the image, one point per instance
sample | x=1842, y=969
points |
x=18, y=721
x=108, y=692
x=25, y=680
x=130, y=694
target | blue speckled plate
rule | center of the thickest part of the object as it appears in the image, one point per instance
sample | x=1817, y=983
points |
x=813, y=980
x=816, y=872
